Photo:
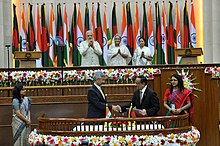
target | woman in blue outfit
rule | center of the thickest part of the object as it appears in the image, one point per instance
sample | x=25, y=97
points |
x=21, y=116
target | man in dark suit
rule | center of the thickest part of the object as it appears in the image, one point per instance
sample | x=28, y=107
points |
x=144, y=99
x=97, y=99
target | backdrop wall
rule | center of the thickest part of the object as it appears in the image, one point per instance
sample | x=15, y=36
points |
x=207, y=26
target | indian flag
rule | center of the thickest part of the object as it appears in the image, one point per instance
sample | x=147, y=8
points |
x=150, y=32
x=177, y=38
x=163, y=33
x=38, y=34
x=52, y=31
x=23, y=33
x=124, y=26
x=106, y=34
x=136, y=27
x=93, y=21
x=66, y=37
x=108, y=113
x=192, y=26
x=79, y=32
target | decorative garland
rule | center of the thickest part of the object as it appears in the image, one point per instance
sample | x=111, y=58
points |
x=186, y=138
x=215, y=71
x=39, y=78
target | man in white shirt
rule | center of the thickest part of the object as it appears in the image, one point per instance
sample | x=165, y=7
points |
x=90, y=51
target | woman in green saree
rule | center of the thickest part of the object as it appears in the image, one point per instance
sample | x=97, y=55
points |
x=21, y=116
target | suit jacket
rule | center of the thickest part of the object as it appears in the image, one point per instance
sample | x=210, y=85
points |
x=150, y=102
x=96, y=103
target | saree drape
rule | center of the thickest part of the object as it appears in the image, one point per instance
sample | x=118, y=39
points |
x=19, y=129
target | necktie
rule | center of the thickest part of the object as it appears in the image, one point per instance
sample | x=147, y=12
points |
x=140, y=97
x=102, y=93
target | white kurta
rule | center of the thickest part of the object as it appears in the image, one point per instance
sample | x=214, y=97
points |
x=90, y=56
x=137, y=60
x=118, y=60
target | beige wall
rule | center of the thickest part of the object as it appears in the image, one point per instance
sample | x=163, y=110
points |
x=209, y=42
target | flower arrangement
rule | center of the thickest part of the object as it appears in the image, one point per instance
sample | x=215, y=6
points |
x=43, y=77
x=188, y=80
x=215, y=71
x=186, y=138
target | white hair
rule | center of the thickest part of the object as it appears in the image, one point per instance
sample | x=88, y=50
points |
x=98, y=75
x=88, y=31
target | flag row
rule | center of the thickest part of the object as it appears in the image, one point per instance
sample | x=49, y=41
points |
x=58, y=38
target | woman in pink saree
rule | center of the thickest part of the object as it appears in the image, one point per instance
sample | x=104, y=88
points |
x=178, y=99
x=21, y=116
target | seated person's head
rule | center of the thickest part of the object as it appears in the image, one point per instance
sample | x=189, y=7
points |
x=99, y=78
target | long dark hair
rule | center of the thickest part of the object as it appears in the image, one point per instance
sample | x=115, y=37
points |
x=180, y=83
x=16, y=92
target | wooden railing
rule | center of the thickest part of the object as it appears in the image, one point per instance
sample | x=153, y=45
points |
x=72, y=103
x=69, y=90
x=113, y=126
x=69, y=94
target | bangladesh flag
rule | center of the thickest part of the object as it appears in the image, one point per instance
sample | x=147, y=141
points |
x=74, y=50
x=130, y=42
x=30, y=35
x=171, y=55
x=99, y=34
x=59, y=48
x=44, y=38
x=15, y=36
x=86, y=22
x=160, y=53
x=186, y=39
x=114, y=21
x=144, y=32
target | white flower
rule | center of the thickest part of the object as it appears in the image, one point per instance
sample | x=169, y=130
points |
x=191, y=138
x=188, y=80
